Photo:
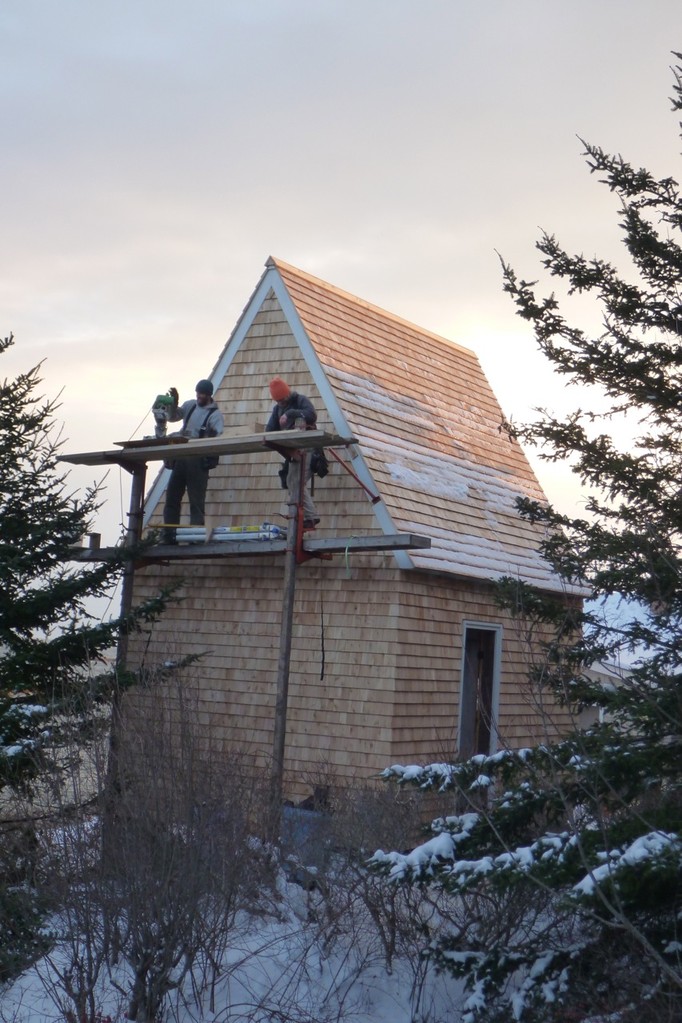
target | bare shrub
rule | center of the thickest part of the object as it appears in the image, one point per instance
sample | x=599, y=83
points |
x=151, y=902
x=181, y=859
x=351, y=907
x=74, y=968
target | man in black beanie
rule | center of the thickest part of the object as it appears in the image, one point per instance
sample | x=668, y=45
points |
x=201, y=417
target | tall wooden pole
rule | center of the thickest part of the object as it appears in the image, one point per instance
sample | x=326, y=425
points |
x=296, y=483
x=112, y=783
x=133, y=535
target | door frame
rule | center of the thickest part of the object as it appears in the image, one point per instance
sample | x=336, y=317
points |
x=497, y=631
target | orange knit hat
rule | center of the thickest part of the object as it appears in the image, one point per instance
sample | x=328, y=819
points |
x=279, y=389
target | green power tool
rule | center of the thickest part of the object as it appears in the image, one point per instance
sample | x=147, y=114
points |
x=160, y=409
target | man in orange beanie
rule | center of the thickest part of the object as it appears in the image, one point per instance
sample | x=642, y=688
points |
x=279, y=389
x=293, y=411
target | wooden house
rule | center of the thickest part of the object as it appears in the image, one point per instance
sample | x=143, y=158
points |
x=396, y=656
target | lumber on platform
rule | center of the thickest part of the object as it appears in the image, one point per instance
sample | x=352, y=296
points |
x=152, y=449
x=230, y=548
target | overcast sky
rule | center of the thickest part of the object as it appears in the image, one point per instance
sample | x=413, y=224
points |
x=155, y=152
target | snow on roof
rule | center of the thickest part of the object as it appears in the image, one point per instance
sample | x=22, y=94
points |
x=430, y=431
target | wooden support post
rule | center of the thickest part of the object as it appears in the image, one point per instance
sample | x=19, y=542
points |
x=112, y=787
x=133, y=536
x=296, y=483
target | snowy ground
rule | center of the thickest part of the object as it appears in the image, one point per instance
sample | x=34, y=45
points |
x=291, y=967
x=275, y=971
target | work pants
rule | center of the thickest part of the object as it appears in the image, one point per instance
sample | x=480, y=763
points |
x=189, y=476
x=309, y=510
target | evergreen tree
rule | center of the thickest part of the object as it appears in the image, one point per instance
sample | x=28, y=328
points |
x=50, y=646
x=580, y=838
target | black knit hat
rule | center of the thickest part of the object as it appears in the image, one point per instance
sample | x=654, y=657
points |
x=204, y=387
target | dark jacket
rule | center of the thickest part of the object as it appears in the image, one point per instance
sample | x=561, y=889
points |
x=296, y=406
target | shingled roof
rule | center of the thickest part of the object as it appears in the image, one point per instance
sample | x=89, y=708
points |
x=427, y=423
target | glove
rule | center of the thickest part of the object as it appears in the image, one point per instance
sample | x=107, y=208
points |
x=173, y=391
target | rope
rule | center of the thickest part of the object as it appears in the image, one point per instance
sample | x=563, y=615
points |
x=346, y=558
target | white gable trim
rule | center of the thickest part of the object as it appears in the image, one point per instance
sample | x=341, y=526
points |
x=155, y=494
